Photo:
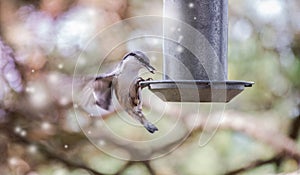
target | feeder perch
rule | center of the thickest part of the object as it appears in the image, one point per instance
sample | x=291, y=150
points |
x=198, y=73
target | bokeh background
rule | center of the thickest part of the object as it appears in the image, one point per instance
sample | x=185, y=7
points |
x=41, y=41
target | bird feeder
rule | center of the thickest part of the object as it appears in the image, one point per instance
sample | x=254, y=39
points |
x=195, y=65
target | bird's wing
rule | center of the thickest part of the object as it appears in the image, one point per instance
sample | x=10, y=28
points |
x=99, y=91
x=102, y=90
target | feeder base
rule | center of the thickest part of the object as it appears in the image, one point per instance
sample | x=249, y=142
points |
x=196, y=91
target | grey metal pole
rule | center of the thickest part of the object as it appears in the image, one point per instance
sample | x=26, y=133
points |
x=209, y=17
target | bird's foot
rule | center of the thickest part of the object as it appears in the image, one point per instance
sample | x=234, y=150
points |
x=140, y=79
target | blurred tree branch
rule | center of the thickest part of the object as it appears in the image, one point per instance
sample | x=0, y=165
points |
x=55, y=154
x=239, y=122
x=277, y=159
x=292, y=173
x=149, y=167
x=128, y=164
x=255, y=164
x=44, y=148
x=242, y=123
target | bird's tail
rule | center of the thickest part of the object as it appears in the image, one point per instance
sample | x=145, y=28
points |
x=142, y=119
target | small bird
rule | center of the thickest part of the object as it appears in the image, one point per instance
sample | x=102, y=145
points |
x=124, y=80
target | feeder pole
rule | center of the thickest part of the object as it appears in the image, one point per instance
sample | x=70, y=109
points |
x=195, y=53
x=210, y=18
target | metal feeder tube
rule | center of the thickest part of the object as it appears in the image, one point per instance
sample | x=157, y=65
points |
x=198, y=73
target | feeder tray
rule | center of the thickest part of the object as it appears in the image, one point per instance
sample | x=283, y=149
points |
x=196, y=91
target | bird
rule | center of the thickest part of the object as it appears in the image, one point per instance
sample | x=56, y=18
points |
x=124, y=80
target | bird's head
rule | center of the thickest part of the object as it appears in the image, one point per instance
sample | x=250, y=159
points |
x=140, y=58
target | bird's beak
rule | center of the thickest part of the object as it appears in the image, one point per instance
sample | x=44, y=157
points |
x=150, y=68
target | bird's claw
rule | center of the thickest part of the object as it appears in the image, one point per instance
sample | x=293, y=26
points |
x=149, y=79
x=142, y=86
x=139, y=79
